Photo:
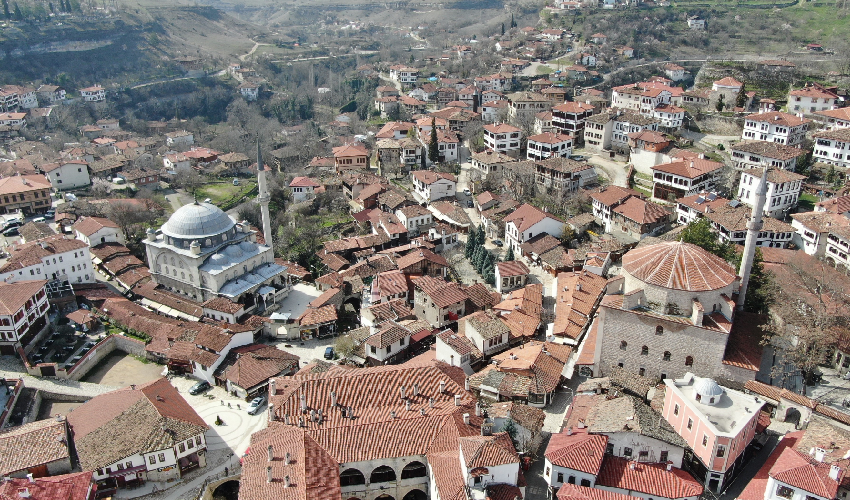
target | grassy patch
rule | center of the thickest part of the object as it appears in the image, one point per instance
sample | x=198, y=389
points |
x=639, y=189
x=544, y=70
x=220, y=192
x=807, y=202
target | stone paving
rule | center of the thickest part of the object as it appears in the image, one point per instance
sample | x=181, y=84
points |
x=12, y=368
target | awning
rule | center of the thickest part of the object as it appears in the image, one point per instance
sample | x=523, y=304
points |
x=125, y=472
x=416, y=337
x=266, y=290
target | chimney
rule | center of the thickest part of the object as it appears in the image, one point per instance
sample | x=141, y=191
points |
x=300, y=421
x=430, y=402
x=408, y=405
x=312, y=415
x=632, y=465
x=271, y=413
x=30, y=478
x=392, y=415
x=402, y=392
x=569, y=431
x=24, y=492
x=477, y=409
x=272, y=387
x=271, y=453
x=834, y=472
x=466, y=384
x=333, y=398
x=415, y=390
x=819, y=454
x=466, y=418
x=669, y=466
x=457, y=399
x=422, y=411
x=286, y=481
x=351, y=413
x=268, y=474
x=578, y=287
x=286, y=419
x=303, y=402
x=442, y=386
x=287, y=459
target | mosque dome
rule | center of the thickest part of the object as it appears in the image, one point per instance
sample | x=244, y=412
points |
x=679, y=266
x=248, y=246
x=197, y=220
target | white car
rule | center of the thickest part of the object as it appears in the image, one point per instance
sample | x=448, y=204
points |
x=256, y=405
x=467, y=192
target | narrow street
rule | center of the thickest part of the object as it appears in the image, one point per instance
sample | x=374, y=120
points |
x=613, y=170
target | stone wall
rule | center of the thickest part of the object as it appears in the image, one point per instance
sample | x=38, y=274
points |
x=658, y=298
x=681, y=339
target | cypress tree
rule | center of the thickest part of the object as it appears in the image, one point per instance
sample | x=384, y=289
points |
x=18, y=15
x=510, y=255
x=471, y=243
x=433, y=149
x=6, y=10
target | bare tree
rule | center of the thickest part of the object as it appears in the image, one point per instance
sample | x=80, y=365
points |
x=812, y=303
x=189, y=179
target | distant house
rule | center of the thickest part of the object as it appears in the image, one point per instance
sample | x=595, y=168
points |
x=93, y=94
x=674, y=72
x=303, y=188
x=97, y=230
x=528, y=221
x=811, y=99
x=696, y=23
x=179, y=138
x=351, y=156
x=67, y=175
x=250, y=91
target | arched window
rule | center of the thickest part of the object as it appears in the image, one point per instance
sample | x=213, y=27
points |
x=414, y=469
x=644, y=351
x=659, y=330
x=689, y=361
x=624, y=345
x=350, y=477
x=666, y=356
x=382, y=474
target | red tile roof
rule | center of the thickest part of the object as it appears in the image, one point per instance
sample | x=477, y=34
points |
x=778, y=118
x=33, y=444
x=642, y=211
x=651, y=479
x=527, y=216
x=512, y=268
x=804, y=472
x=690, y=169
x=76, y=486
x=90, y=225
x=577, y=450
x=575, y=492
x=611, y=195
x=680, y=266
x=14, y=296
x=322, y=315
x=303, y=182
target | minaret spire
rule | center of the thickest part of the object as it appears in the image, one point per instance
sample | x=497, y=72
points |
x=263, y=195
x=754, y=226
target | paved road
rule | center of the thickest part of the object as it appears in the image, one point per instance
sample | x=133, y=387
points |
x=178, y=199
x=734, y=490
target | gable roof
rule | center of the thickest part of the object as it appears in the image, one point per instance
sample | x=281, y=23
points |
x=527, y=216
x=33, y=444
x=577, y=449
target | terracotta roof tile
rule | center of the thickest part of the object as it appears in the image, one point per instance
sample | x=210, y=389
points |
x=512, y=268
x=33, y=444
x=322, y=315
x=680, y=266
x=642, y=211
x=778, y=118
x=651, y=479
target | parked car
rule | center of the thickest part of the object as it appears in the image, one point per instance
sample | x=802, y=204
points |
x=198, y=388
x=469, y=204
x=39, y=219
x=498, y=243
x=329, y=353
x=12, y=223
x=256, y=405
x=578, y=157
x=50, y=214
x=467, y=192
x=12, y=231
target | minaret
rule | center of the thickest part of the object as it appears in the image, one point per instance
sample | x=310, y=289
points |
x=263, y=196
x=753, y=228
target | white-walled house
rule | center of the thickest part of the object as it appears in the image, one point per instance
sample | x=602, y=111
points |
x=23, y=305
x=179, y=138
x=455, y=349
x=302, y=188
x=812, y=230
x=487, y=332
x=93, y=94
x=528, y=221
x=751, y=154
x=97, y=230
x=67, y=175
x=811, y=99
x=413, y=216
x=511, y=275
x=783, y=190
x=547, y=144
x=684, y=178
x=832, y=147
x=775, y=126
x=51, y=258
x=430, y=185
x=502, y=138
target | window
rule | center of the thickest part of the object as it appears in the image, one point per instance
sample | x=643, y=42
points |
x=675, y=409
x=704, y=440
x=190, y=443
x=689, y=361
x=100, y=472
x=571, y=480
x=784, y=492
x=721, y=451
x=666, y=356
x=644, y=351
x=627, y=452
x=374, y=349
x=663, y=456
x=624, y=345
x=548, y=470
x=162, y=457
x=181, y=447
x=609, y=448
x=690, y=423
x=120, y=466
x=560, y=477
x=401, y=341
x=585, y=483
x=659, y=330
x=643, y=455
x=109, y=470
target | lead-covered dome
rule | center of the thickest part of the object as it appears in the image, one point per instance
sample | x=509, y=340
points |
x=679, y=266
x=197, y=220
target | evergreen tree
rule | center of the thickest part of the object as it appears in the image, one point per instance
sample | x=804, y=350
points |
x=741, y=98
x=513, y=23
x=18, y=15
x=510, y=255
x=503, y=28
x=433, y=149
x=760, y=289
x=720, y=104
x=471, y=243
x=510, y=429
x=6, y=12
x=481, y=236
x=50, y=5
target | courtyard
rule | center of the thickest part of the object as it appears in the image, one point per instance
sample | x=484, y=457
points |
x=120, y=369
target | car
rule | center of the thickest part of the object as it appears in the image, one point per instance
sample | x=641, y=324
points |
x=467, y=192
x=39, y=219
x=498, y=243
x=329, y=353
x=12, y=223
x=469, y=204
x=12, y=231
x=578, y=157
x=49, y=214
x=89, y=345
x=256, y=405
x=199, y=387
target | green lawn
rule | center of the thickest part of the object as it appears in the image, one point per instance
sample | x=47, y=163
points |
x=807, y=202
x=220, y=192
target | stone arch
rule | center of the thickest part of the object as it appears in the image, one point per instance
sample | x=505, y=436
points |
x=829, y=260
x=415, y=494
x=385, y=497
x=414, y=469
x=666, y=356
x=382, y=474
x=644, y=351
x=226, y=489
x=351, y=477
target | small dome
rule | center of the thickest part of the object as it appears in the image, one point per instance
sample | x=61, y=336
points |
x=707, y=388
x=248, y=246
x=218, y=259
x=197, y=220
x=679, y=266
x=233, y=251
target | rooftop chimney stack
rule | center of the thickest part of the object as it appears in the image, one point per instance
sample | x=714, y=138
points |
x=303, y=402
x=415, y=390
x=408, y=405
x=333, y=398
x=268, y=474
x=422, y=411
x=442, y=386
x=430, y=402
x=402, y=392
x=834, y=472
x=286, y=419
x=271, y=413
x=271, y=453
x=286, y=481
x=466, y=418
x=287, y=458
x=272, y=386
x=457, y=399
